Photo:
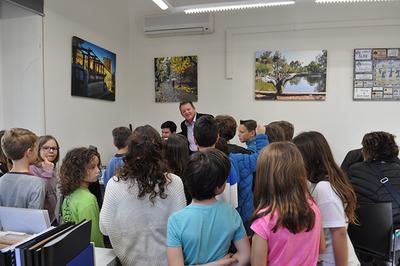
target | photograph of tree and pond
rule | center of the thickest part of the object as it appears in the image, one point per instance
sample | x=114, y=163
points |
x=291, y=75
x=175, y=78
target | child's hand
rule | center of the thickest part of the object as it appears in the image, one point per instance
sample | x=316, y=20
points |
x=260, y=129
x=47, y=165
x=225, y=261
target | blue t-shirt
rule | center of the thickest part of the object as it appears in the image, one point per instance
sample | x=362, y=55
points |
x=204, y=232
x=116, y=162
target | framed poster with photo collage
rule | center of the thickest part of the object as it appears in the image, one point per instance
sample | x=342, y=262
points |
x=376, y=74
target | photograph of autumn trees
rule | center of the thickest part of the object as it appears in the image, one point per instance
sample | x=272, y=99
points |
x=175, y=78
x=291, y=75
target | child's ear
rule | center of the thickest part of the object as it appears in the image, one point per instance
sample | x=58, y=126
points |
x=253, y=133
x=220, y=189
x=30, y=154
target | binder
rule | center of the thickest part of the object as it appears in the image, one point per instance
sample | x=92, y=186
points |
x=33, y=256
x=67, y=246
x=86, y=257
x=19, y=254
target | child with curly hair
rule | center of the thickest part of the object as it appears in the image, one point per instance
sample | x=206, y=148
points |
x=80, y=167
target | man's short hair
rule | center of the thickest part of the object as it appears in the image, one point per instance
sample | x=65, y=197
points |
x=205, y=131
x=288, y=129
x=249, y=124
x=121, y=136
x=185, y=102
x=169, y=124
x=226, y=126
x=274, y=132
x=16, y=141
x=206, y=171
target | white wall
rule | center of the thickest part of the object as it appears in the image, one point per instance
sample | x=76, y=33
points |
x=342, y=120
x=77, y=121
x=21, y=69
x=2, y=126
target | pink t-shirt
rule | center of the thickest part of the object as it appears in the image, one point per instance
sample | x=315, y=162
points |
x=286, y=248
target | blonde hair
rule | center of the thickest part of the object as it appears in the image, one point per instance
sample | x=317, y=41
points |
x=281, y=187
x=16, y=141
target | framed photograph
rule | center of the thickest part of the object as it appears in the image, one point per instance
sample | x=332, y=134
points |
x=93, y=71
x=290, y=75
x=380, y=74
x=175, y=79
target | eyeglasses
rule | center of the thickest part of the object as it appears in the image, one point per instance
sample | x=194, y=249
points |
x=46, y=148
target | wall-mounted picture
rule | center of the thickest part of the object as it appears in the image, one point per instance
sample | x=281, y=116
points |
x=175, y=78
x=377, y=74
x=93, y=71
x=291, y=75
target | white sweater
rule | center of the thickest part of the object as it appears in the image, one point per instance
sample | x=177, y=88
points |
x=137, y=228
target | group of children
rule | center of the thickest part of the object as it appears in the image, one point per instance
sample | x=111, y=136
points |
x=162, y=205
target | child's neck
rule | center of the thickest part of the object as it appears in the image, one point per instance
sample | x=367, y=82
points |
x=204, y=202
x=20, y=166
x=122, y=151
x=84, y=184
x=205, y=148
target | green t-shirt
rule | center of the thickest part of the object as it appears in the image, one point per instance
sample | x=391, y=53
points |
x=81, y=205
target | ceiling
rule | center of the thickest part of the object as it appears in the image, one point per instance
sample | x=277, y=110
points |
x=147, y=7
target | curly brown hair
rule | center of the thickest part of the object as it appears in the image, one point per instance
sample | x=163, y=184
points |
x=144, y=165
x=380, y=146
x=73, y=168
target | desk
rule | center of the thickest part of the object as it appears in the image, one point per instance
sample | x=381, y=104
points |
x=105, y=257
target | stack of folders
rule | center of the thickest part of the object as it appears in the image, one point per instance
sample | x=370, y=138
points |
x=67, y=244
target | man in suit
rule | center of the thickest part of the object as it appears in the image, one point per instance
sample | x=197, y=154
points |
x=188, y=111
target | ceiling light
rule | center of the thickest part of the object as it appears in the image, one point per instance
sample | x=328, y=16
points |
x=161, y=4
x=347, y=1
x=234, y=6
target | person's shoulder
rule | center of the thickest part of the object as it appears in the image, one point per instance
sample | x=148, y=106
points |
x=32, y=179
x=173, y=177
x=233, y=148
x=181, y=214
x=84, y=193
x=323, y=191
x=354, y=169
x=115, y=158
x=323, y=186
x=198, y=115
x=115, y=184
x=225, y=208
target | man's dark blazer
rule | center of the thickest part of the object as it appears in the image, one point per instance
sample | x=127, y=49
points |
x=184, y=127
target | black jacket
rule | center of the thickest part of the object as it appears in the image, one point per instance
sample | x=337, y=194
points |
x=184, y=127
x=352, y=157
x=232, y=148
x=369, y=189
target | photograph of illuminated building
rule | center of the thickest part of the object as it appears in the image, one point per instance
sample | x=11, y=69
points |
x=93, y=71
